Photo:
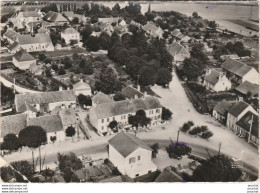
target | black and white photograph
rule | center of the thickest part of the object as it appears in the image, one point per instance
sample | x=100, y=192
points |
x=129, y=92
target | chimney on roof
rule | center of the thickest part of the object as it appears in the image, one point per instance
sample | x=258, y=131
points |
x=144, y=95
x=68, y=88
x=136, y=96
x=81, y=80
x=60, y=88
x=138, y=87
x=240, y=99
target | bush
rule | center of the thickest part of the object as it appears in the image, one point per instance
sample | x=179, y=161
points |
x=190, y=123
x=185, y=127
x=24, y=167
x=206, y=135
x=70, y=131
x=11, y=142
x=195, y=131
x=178, y=149
x=166, y=114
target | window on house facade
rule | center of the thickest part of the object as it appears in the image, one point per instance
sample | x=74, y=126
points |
x=102, y=120
x=131, y=160
x=150, y=112
x=157, y=110
x=139, y=158
x=102, y=128
x=122, y=117
x=107, y=119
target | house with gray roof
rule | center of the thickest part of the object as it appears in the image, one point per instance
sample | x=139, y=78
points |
x=130, y=155
x=100, y=98
x=70, y=34
x=55, y=17
x=153, y=30
x=220, y=111
x=131, y=92
x=178, y=52
x=11, y=35
x=247, y=89
x=28, y=16
x=216, y=80
x=236, y=112
x=23, y=60
x=102, y=114
x=240, y=72
x=46, y=101
x=82, y=87
x=14, y=47
x=168, y=175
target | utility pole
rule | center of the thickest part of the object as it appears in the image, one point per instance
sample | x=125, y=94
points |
x=250, y=130
x=178, y=136
x=40, y=158
x=219, y=148
x=33, y=160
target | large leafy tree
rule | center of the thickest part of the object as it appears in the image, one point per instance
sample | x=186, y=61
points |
x=164, y=76
x=147, y=76
x=216, y=169
x=70, y=131
x=139, y=119
x=166, y=114
x=11, y=142
x=32, y=136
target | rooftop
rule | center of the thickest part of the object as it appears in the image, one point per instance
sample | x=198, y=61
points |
x=222, y=107
x=126, y=143
x=100, y=98
x=70, y=31
x=238, y=68
x=130, y=92
x=238, y=108
x=244, y=122
x=38, y=39
x=54, y=17
x=168, y=175
x=81, y=85
x=12, y=124
x=213, y=77
x=175, y=48
x=248, y=87
x=11, y=34
x=28, y=14
x=22, y=55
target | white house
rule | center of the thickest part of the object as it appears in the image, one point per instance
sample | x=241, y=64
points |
x=240, y=72
x=216, y=80
x=101, y=98
x=178, y=52
x=220, y=111
x=46, y=101
x=153, y=30
x=28, y=16
x=82, y=88
x=130, y=155
x=100, y=115
x=11, y=36
x=235, y=113
x=70, y=34
x=23, y=60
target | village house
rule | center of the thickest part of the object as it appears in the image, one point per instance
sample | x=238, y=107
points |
x=248, y=127
x=45, y=102
x=40, y=42
x=82, y=88
x=247, y=90
x=106, y=27
x=23, y=60
x=220, y=111
x=14, y=47
x=109, y=20
x=70, y=34
x=130, y=155
x=168, y=175
x=101, y=98
x=131, y=92
x=178, y=52
x=28, y=16
x=236, y=112
x=216, y=80
x=100, y=115
x=240, y=72
x=179, y=37
x=43, y=31
x=56, y=18
x=37, y=69
x=153, y=30
x=70, y=15
x=232, y=56
x=11, y=36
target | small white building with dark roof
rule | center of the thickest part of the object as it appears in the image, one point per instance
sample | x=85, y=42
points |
x=82, y=88
x=70, y=34
x=23, y=60
x=178, y=52
x=130, y=155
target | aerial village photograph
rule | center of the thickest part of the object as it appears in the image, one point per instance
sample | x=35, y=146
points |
x=96, y=92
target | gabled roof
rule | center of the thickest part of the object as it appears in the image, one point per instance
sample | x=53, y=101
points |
x=115, y=108
x=246, y=87
x=213, y=77
x=81, y=86
x=244, y=122
x=126, y=143
x=153, y=29
x=176, y=33
x=175, y=48
x=70, y=31
x=108, y=20
x=100, y=98
x=38, y=39
x=130, y=92
x=50, y=123
x=12, y=124
x=11, y=34
x=68, y=117
x=54, y=17
x=43, y=30
x=28, y=14
x=238, y=108
x=238, y=68
x=222, y=107
x=44, y=97
x=168, y=175
x=13, y=46
x=22, y=55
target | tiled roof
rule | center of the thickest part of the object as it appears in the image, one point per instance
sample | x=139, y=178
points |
x=126, y=143
x=168, y=175
x=81, y=85
x=238, y=68
x=28, y=14
x=154, y=30
x=115, y=108
x=176, y=33
x=130, y=92
x=222, y=107
x=244, y=122
x=23, y=55
x=38, y=39
x=238, y=108
x=50, y=123
x=12, y=124
x=100, y=98
x=11, y=34
x=68, y=117
x=42, y=30
x=13, y=45
x=44, y=97
x=54, y=17
x=70, y=31
x=108, y=20
x=213, y=77
x=246, y=87
x=175, y=48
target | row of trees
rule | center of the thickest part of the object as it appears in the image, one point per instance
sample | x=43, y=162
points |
x=201, y=131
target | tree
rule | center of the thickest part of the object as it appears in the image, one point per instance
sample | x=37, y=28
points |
x=112, y=125
x=216, y=169
x=139, y=119
x=84, y=100
x=73, y=42
x=24, y=167
x=185, y=127
x=61, y=71
x=67, y=62
x=70, y=131
x=166, y=114
x=140, y=18
x=206, y=135
x=11, y=142
x=75, y=21
x=32, y=136
x=93, y=43
x=50, y=7
x=195, y=131
x=164, y=76
x=69, y=160
x=178, y=149
x=212, y=24
x=119, y=96
x=195, y=15
x=155, y=148
x=147, y=76
x=42, y=57
x=53, y=139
